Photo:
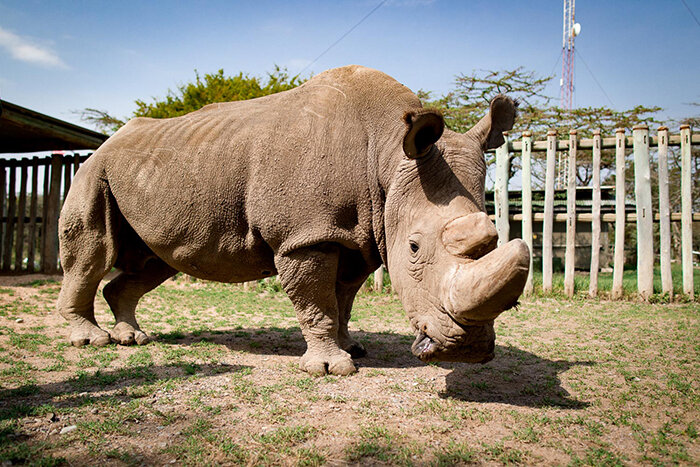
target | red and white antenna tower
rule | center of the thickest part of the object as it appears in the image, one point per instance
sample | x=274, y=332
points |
x=571, y=30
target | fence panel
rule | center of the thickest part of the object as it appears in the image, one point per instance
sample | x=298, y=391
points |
x=29, y=210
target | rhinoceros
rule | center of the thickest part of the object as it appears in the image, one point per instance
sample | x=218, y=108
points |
x=320, y=184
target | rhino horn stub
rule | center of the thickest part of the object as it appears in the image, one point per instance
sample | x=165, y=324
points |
x=501, y=117
x=481, y=290
x=472, y=235
x=424, y=128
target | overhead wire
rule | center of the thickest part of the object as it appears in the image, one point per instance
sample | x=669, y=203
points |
x=691, y=13
x=343, y=36
x=593, y=76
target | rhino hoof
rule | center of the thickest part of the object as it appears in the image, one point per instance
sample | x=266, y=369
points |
x=89, y=335
x=101, y=341
x=316, y=365
x=125, y=334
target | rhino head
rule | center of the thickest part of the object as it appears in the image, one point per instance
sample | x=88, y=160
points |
x=442, y=253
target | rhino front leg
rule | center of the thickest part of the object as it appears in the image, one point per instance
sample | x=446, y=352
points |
x=346, y=296
x=309, y=277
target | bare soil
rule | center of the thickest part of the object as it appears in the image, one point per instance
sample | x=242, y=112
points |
x=573, y=382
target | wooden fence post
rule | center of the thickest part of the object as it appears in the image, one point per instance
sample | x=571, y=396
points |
x=500, y=192
x=44, y=211
x=645, y=213
x=379, y=279
x=76, y=162
x=67, y=175
x=619, y=265
x=526, y=159
x=3, y=195
x=686, y=212
x=595, y=223
x=11, y=212
x=548, y=223
x=21, y=213
x=52, y=212
x=570, y=259
x=31, y=253
x=664, y=215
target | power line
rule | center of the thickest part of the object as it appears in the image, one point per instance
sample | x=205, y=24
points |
x=343, y=36
x=551, y=73
x=594, y=78
x=691, y=13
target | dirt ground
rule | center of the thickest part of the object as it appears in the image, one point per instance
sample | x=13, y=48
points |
x=578, y=382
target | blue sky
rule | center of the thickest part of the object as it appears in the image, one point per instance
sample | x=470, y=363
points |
x=59, y=56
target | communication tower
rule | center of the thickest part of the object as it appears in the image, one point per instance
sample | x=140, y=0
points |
x=571, y=30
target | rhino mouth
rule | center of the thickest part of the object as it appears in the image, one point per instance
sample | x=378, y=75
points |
x=478, y=351
x=424, y=347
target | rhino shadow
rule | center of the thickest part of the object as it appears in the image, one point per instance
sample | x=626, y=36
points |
x=514, y=376
x=384, y=349
x=123, y=384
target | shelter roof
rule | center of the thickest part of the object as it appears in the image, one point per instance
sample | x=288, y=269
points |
x=25, y=130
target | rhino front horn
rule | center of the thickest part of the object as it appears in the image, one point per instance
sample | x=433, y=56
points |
x=481, y=290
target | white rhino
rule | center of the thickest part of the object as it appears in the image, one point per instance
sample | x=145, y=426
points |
x=320, y=184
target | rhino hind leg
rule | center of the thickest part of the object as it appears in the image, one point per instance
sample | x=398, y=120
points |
x=309, y=279
x=75, y=304
x=138, y=277
x=87, y=233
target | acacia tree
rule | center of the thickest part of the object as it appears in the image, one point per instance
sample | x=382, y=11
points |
x=470, y=98
x=212, y=87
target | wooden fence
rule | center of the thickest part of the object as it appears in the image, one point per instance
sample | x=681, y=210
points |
x=32, y=191
x=640, y=143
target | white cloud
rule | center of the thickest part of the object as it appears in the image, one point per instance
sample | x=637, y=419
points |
x=22, y=49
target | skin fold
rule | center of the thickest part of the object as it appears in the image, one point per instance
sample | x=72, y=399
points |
x=320, y=185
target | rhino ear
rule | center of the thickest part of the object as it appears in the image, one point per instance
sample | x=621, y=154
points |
x=424, y=128
x=501, y=117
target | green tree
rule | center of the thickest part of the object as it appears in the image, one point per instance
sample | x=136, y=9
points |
x=469, y=101
x=207, y=89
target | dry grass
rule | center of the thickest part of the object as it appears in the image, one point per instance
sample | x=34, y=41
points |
x=573, y=382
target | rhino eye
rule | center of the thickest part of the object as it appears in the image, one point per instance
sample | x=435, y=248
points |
x=414, y=246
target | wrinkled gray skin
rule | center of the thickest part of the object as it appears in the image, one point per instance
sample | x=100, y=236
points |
x=319, y=184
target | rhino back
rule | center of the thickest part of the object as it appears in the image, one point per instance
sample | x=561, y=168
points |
x=217, y=192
